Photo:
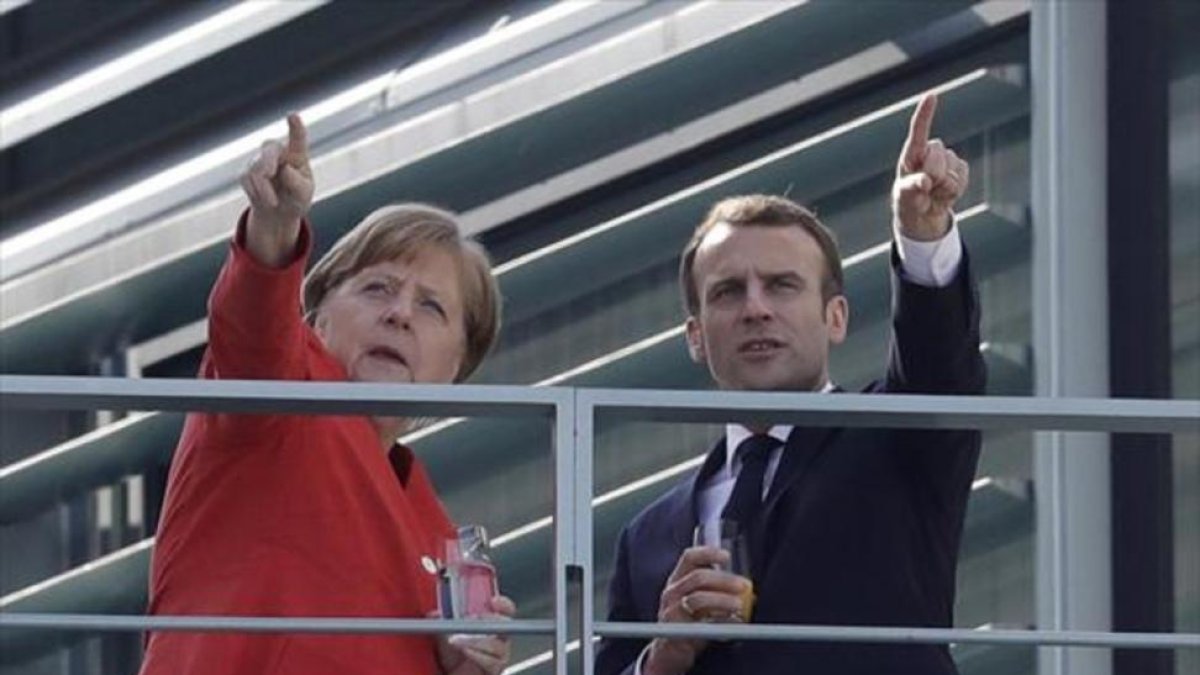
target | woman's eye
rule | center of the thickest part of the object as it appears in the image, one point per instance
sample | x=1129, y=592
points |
x=435, y=306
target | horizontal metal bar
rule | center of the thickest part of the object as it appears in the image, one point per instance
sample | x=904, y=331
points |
x=277, y=396
x=127, y=623
x=895, y=410
x=208, y=624
x=899, y=410
x=898, y=634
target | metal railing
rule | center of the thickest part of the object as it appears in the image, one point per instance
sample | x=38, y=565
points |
x=574, y=413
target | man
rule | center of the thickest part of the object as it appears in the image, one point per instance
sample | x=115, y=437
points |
x=843, y=526
x=314, y=515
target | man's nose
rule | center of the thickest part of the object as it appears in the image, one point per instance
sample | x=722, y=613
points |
x=758, y=305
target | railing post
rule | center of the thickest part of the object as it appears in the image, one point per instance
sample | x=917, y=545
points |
x=564, y=521
x=1070, y=310
x=585, y=436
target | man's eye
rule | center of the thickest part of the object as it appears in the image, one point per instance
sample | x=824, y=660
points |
x=720, y=292
x=375, y=287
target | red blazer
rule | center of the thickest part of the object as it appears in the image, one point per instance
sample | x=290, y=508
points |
x=288, y=515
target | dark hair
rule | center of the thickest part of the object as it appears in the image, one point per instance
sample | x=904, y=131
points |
x=761, y=211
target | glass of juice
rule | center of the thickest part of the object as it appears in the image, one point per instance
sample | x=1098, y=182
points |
x=724, y=533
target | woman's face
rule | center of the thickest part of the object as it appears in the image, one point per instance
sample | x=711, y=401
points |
x=398, y=320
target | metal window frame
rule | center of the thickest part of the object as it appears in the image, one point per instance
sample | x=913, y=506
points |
x=574, y=413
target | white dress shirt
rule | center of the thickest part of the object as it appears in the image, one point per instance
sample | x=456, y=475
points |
x=928, y=263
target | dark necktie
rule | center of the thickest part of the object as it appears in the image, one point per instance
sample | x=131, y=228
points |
x=744, y=503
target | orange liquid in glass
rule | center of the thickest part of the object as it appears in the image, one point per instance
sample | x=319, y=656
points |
x=748, y=598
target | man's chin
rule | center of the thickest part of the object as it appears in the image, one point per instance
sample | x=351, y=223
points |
x=769, y=383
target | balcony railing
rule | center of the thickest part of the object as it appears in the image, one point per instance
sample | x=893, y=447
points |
x=574, y=414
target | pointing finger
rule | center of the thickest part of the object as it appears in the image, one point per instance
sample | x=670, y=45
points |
x=297, y=145
x=918, y=134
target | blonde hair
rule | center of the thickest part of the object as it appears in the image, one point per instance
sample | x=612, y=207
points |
x=398, y=232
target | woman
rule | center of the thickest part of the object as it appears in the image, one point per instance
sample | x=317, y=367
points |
x=304, y=515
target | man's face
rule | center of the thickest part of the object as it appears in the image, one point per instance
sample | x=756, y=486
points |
x=762, y=323
x=397, y=321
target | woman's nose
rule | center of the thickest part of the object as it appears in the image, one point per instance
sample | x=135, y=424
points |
x=398, y=312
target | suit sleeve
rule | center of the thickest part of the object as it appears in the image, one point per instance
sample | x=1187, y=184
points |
x=619, y=656
x=935, y=335
x=935, y=350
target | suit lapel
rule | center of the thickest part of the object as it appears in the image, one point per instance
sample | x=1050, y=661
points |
x=804, y=445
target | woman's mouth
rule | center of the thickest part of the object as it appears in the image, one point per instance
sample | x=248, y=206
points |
x=385, y=353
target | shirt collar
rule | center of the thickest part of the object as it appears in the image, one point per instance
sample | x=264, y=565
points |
x=736, y=433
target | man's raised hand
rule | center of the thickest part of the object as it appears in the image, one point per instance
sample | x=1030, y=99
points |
x=279, y=183
x=929, y=179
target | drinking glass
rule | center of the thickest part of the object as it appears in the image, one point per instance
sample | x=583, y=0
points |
x=467, y=581
x=725, y=534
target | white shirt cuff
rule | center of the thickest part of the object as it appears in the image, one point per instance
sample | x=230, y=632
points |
x=931, y=263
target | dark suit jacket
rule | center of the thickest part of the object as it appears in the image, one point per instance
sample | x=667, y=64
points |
x=863, y=524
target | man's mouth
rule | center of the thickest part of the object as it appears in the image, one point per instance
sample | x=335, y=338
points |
x=759, y=345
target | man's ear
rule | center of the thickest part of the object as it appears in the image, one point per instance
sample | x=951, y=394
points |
x=837, y=317
x=695, y=340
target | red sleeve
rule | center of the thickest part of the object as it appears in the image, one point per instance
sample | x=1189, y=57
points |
x=255, y=327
